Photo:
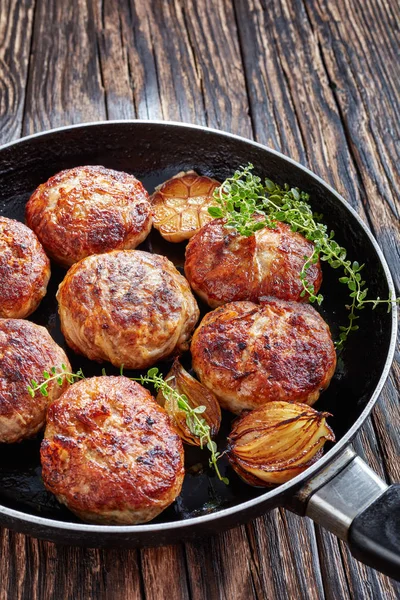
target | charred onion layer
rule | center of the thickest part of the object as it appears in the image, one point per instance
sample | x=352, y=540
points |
x=276, y=442
x=197, y=395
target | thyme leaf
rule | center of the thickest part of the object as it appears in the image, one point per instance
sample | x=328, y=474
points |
x=245, y=196
x=195, y=422
x=58, y=374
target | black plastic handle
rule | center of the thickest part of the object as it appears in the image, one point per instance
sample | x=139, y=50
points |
x=374, y=535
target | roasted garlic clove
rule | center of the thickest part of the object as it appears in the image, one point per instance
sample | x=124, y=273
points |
x=276, y=442
x=180, y=205
x=197, y=395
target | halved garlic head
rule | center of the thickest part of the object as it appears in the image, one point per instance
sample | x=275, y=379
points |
x=197, y=395
x=276, y=442
x=180, y=205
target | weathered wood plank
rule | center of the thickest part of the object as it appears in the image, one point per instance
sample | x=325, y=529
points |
x=121, y=575
x=64, y=84
x=33, y=570
x=176, y=62
x=12, y=572
x=364, y=78
x=161, y=64
x=182, y=60
x=333, y=571
x=164, y=573
x=285, y=553
x=16, y=18
x=213, y=38
x=365, y=75
x=313, y=120
x=222, y=567
x=110, y=18
x=365, y=582
x=286, y=67
x=387, y=422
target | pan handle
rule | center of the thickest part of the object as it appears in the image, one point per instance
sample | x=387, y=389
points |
x=352, y=502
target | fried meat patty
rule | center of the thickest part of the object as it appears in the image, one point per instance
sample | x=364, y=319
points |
x=250, y=354
x=24, y=270
x=89, y=210
x=129, y=307
x=223, y=266
x=110, y=453
x=26, y=350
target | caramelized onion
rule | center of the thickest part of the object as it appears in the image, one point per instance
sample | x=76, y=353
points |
x=276, y=442
x=197, y=395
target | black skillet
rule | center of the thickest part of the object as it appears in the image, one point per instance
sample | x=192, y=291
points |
x=339, y=491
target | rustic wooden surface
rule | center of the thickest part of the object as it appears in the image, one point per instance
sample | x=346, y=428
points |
x=315, y=79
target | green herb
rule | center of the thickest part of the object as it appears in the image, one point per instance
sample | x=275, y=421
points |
x=248, y=205
x=58, y=374
x=196, y=424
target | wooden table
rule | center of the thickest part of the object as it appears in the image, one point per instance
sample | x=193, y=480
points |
x=315, y=79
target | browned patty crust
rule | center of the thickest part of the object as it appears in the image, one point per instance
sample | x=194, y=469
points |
x=89, y=210
x=223, y=266
x=129, y=307
x=26, y=350
x=110, y=453
x=24, y=270
x=250, y=354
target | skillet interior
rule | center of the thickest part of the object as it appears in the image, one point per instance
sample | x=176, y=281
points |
x=154, y=152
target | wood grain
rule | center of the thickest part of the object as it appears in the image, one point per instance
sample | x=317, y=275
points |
x=322, y=128
x=221, y=567
x=164, y=573
x=366, y=93
x=64, y=81
x=112, y=51
x=275, y=540
x=316, y=79
x=15, y=42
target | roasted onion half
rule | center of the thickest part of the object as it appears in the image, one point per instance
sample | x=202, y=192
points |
x=276, y=442
x=197, y=395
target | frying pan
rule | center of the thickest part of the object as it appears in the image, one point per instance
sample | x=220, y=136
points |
x=339, y=491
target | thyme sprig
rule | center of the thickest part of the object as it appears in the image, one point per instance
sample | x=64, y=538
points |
x=195, y=422
x=58, y=374
x=245, y=196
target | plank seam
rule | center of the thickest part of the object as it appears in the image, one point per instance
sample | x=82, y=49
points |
x=128, y=60
x=98, y=53
x=131, y=85
x=28, y=70
x=254, y=568
x=380, y=447
x=246, y=78
x=186, y=566
x=142, y=586
x=356, y=165
x=345, y=570
x=196, y=63
x=288, y=536
x=289, y=88
x=381, y=67
x=321, y=557
x=345, y=128
x=156, y=68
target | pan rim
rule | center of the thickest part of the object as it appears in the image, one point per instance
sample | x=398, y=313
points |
x=302, y=478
